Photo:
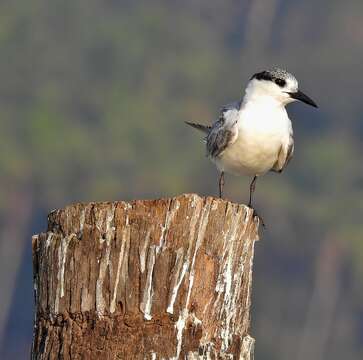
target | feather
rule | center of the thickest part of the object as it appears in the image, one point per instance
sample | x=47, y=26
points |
x=200, y=127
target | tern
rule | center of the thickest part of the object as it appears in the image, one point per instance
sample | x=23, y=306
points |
x=254, y=135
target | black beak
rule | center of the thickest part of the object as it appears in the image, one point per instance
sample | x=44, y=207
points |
x=302, y=97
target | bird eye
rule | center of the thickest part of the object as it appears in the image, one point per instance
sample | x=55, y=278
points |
x=280, y=82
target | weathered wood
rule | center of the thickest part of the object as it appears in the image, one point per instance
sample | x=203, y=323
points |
x=163, y=279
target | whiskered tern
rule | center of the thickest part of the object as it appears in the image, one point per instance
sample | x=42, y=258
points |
x=254, y=135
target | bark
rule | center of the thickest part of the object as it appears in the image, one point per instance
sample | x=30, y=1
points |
x=161, y=279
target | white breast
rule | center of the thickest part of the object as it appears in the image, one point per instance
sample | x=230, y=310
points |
x=262, y=132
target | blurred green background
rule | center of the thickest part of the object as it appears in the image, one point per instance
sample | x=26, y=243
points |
x=93, y=96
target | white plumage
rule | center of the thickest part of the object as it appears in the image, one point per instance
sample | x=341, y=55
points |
x=264, y=129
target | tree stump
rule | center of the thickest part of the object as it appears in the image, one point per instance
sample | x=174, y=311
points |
x=153, y=279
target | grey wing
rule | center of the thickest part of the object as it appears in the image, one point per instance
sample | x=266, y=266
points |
x=285, y=155
x=224, y=132
x=290, y=152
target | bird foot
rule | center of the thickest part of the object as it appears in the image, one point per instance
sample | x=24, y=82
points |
x=259, y=218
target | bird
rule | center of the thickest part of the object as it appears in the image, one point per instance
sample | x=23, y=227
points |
x=254, y=135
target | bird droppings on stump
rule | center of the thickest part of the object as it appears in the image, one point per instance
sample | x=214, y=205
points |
x=152, y=279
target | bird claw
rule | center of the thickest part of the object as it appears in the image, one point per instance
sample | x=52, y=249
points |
x=259, y=218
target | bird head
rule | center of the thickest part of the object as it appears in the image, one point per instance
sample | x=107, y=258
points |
x=277, y=84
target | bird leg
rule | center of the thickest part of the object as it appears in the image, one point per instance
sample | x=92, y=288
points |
x=221, y=184
x=252, y=190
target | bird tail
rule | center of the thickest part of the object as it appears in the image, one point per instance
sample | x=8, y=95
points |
x=200, y=127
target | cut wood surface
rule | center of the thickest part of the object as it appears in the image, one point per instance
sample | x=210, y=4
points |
x=151, y=279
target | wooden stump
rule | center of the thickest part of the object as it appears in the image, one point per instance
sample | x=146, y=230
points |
x=161, y=279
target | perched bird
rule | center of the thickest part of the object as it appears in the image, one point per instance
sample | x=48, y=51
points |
x=254, y=135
